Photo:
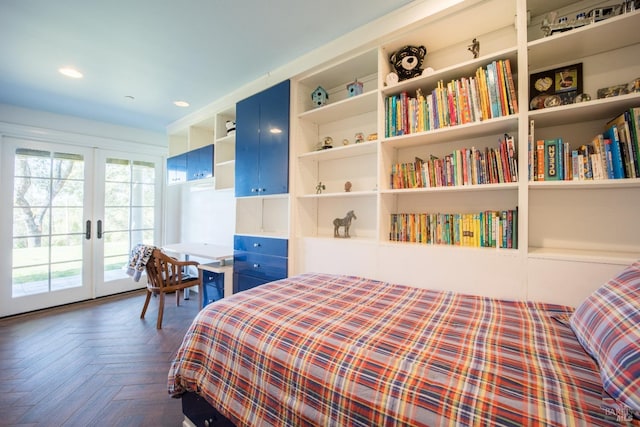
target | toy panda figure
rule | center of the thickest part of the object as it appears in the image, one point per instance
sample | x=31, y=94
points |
x=407, y=61
x=231, y=127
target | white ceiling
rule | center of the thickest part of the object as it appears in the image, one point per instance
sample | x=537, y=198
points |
x=158, y=51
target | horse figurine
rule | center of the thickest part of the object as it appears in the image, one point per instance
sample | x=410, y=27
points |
x=343, y=222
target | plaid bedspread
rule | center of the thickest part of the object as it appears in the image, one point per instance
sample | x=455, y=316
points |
x=328, y=350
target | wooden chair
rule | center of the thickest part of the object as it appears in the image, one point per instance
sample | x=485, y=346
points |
x=166, y=274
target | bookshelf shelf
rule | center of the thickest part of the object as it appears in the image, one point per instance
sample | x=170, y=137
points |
x=351, y=194
x=578, y=255
x=604, y=36
x=454, y=189
x=497, y=127
x=360, y=104
x=586, y=185
x=597, y=109
x=339, y=152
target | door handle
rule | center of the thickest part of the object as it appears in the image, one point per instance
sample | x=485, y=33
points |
x=99, y=229
x=87, y=233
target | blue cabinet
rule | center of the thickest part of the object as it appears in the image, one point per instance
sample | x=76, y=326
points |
x=200, y=163
x=262, y=142
x=190, y=166
x=213, y=286
x=258, y=260
x=177, y=169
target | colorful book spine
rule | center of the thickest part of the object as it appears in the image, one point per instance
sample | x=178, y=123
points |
x=611, y=133
x=540, y=155
x=551, y=160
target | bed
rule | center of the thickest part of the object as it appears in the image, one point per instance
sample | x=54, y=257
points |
x=333, y=350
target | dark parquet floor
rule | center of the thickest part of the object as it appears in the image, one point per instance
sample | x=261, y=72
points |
x=92, y=364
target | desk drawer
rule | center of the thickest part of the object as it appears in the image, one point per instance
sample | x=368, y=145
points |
x=261, y=266
x=263, y=245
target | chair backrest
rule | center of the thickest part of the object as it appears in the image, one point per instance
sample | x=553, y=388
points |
x=164, y=273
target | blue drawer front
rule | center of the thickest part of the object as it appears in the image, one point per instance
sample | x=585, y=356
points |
x=263, y=245
x=213, y=286
x=242, y=282
x=265, y=267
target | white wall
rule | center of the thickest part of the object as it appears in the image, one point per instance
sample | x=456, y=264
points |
x=42, y=124
x=197, y=213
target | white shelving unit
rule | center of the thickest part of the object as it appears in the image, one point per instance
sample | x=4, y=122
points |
x=206, y=131
x=572, y=235
x=225, y=150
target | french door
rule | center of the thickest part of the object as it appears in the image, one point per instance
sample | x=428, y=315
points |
x=70, y=218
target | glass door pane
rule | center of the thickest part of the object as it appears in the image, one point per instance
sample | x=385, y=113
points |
x=130, y=214
x=48, y=227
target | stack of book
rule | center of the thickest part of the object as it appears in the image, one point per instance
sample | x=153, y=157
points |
x=467, y=166
x=490, y=93
x=613, y=154
x=490, y=229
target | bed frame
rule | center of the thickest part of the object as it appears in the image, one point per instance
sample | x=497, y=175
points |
x=198, y=412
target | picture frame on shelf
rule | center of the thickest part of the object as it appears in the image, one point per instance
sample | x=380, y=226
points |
x=558, y=86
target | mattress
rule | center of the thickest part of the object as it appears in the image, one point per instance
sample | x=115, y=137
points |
x=320, y=349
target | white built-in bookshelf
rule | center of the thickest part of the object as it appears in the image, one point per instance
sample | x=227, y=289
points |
x=571, y=235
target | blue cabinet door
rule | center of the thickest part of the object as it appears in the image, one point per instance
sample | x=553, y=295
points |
x=200, y=163
x=274, y=140
x=262, y=142
x=247, y=145
x=177, y=169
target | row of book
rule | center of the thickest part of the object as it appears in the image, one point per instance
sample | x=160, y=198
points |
x=467, y=166
x=490, y=93
x=613, y=154
x=490, y=229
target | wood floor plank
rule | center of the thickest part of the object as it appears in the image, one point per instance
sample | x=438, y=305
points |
x=91, y=364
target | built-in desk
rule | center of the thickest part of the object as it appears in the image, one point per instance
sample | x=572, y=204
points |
x=220, y=255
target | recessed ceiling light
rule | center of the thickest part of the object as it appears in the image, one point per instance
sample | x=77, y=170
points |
x=181, y=103
x=70, y=72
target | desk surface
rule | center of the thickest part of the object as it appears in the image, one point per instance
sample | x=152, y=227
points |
x=203, y=250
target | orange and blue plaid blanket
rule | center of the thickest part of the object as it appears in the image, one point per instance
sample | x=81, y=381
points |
x=329, y=350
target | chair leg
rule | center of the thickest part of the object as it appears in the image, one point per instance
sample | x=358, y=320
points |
x=146, y=304
x=160, y=311
x=177, y=297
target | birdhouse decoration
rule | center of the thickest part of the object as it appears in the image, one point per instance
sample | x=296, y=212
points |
x=319, y=96
x=354, y=88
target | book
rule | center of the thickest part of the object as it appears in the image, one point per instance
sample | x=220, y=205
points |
x=611, y=133
x=585, y=152
x=540, y=160
x=551, y=157
x=624, y=137
x=493, y=91
x=601, y=154
x=632, y=142
x=512, y=87
x=635, y=131
x=609, y=157
x=531, y=151
x=566, y=161
x=575, y=165
x=512, y=156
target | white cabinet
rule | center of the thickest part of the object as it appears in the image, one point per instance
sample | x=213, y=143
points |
x=577, y=232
